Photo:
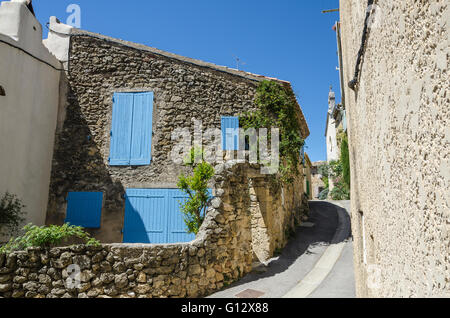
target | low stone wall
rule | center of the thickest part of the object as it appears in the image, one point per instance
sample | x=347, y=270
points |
x=221, y=254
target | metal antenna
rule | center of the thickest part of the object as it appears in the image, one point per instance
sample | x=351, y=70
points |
x=238, y=62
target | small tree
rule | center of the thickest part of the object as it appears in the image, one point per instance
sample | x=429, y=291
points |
x=11, y=214
x=196, y=187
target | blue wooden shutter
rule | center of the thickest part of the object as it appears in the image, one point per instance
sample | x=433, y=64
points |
x=154, y=216
x=302, y=155
x=176, y=228
x=84, y=209
x=230, y=133
x=141, y=136
x=145, y=216
x=122, y=119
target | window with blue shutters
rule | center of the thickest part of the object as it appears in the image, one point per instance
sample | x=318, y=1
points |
x=131, y=129
x=230, y=133
x=84, y=209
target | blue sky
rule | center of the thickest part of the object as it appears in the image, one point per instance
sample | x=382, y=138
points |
x=287, y=39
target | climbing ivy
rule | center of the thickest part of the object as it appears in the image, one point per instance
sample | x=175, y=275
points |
x=276, y=108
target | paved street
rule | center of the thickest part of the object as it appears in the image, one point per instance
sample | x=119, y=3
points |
x=317, y=262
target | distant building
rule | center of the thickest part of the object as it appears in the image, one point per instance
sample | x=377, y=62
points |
x=317, y=184
x=336, y=124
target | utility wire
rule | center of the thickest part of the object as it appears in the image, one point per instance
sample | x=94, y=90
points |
x=352, y=84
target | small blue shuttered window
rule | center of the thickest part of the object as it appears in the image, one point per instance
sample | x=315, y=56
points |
x=84, y=209
x=230, y=133
x=131, y=131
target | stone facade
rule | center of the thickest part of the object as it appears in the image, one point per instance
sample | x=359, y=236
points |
x=399, y=147
x=307, y=167
x=221, y=253
x=276, y=212
x=183, y=89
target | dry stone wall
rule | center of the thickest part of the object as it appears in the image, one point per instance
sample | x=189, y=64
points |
x=222, y=253
x=400, y=147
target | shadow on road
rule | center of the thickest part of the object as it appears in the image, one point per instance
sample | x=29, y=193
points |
x=326, y=222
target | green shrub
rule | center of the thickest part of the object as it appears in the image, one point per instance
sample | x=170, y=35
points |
x=196, y=187
x=11, y=214
x=47, y=236
x=339, y=172
x=340, y=191
x=324, y=194
x=335, y=169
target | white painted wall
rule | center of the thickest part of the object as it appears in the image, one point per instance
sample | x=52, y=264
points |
x=28, y=112
x=332, y=146
x=58, y=41
x=331, y=135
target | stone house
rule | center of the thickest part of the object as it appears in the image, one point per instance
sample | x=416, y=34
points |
x=336, y=124
x=113, y=171
x=115, y=107
x=396, y=57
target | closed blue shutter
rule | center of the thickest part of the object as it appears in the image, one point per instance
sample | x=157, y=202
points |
x=230, y=133
x=145, y=216
x=141, y=139
x=302, y=155
x=84, y=209
x=176, y=228
x=154, y=216
x=122, y=119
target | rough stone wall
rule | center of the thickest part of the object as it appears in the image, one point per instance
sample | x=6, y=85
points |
x=400, y=147
x=308, y=177
x=276, y=211
x=182, y=91
x=220, y=254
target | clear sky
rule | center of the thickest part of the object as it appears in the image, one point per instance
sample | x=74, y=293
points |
x=287, y=39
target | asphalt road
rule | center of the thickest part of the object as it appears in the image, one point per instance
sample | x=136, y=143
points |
x=325, y=228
